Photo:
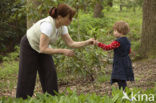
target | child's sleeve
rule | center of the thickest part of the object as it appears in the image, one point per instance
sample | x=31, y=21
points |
x=113, y=45
x=130, y=51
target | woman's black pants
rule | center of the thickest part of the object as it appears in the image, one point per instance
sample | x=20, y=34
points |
x=30, y=63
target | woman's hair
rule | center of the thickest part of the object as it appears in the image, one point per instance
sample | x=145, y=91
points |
x=121, y=27
x=62, y=10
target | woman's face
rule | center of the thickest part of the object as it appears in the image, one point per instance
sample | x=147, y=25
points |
x=66, y=20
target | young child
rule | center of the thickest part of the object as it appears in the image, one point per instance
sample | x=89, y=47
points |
x=122, y=66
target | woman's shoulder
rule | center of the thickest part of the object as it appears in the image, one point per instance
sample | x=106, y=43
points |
x=46, y=24
x=47, y=19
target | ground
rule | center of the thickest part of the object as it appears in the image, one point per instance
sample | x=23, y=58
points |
x=145, y=77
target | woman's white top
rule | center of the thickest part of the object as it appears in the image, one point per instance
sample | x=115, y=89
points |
x=44, y=26
x=47, y=29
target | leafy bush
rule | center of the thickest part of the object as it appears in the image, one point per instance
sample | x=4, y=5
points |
x=88, y=59
x=70, y=96
x=12, y=24
x=12, y=56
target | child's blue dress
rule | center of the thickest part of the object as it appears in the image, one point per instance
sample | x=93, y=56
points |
x=122, y=66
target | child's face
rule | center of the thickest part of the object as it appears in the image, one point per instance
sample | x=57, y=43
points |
x=117, y=34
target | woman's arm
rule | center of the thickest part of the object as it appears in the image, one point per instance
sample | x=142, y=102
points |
x=68, y=40
x=44, y=47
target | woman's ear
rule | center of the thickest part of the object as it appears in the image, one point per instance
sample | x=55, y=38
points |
x=59, y=17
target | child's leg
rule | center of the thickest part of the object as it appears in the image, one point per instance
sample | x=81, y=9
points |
x=122, y=84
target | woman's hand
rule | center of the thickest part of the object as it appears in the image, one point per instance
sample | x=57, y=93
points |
x=68, y=52
x=90, y=41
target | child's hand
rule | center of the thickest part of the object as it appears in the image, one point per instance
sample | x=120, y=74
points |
x=96, y=42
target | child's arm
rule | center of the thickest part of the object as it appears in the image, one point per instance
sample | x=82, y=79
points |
x=113, y=45
x=130, y=51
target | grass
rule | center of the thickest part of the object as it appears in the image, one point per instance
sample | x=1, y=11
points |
x=70, y=96
x=8, y=75
x=103, y=78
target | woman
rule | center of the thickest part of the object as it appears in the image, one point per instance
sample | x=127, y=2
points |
x=35, y=51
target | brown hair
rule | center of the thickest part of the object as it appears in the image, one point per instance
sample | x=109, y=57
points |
x=62, y=10
x=121, y=27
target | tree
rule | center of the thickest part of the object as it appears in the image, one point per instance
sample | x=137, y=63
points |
x=148, y=38
x=98, y=9
x=31, y=4
x=121, y=5
x=37, y=9
x=110, y=3
x=12, y=24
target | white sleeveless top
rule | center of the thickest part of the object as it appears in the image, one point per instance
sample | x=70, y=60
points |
x=47, y=27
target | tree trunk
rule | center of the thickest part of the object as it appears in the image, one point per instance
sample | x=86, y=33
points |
x=78, y=23
x=121, y=5
x=35, y=4
x=98, y=9
x=134, y=9
x=148, y=38
x=84, y=6
x=110, y=3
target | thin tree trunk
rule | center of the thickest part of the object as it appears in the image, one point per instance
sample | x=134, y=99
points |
x=121, y=5
x=110, y=3
x=84, y=5
x=78, y=24
x=34, y=4
x=148, y=38
x=98, y=9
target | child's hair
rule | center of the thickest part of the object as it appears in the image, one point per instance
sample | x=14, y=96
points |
x=121, y=27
